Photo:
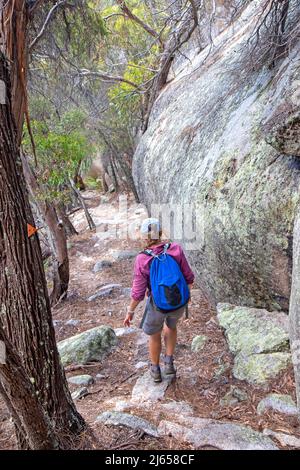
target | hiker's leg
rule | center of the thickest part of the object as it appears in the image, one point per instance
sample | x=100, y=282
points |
x=170, y=337
x=155, y=348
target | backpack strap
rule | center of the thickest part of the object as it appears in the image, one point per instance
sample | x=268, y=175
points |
x=166, y=247
x=148, y=252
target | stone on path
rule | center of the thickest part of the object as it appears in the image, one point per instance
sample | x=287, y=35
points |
x=90, y=346
x=125, y=331
x=202, y=432
x=141, y=365
x=73, y=322
x=176, y=407
x=146, y=390
x=124, y=254
x=117, y=418
x=105, y=291
x=276, y=402
x=84, y=380
x=283, y=439
x=80, y=393
x=101, y=265
x=198, y=343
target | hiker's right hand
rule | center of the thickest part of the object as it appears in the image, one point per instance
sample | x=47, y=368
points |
x=128, y=320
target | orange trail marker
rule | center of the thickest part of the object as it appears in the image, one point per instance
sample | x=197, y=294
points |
x=31, y=230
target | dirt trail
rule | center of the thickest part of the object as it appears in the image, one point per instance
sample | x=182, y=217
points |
x=203, y=378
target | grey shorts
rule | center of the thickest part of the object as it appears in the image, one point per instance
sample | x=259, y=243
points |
x=153, y=320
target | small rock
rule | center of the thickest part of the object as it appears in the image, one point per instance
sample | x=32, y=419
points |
x=80, y=393
x=283, y=439
x=228, y=400
x=105, y=291
x=73, y=322
x=240, y=394
x=220, y=370
x=117, y=418
x=146, y=390
x=84, y=380
x=126, y=291
x=125, y=331
x=141, y=365
x=276, y=402
x=198, y=343
x=123, y=255
x=234, y=396
x=100, y=377
x=101, y=265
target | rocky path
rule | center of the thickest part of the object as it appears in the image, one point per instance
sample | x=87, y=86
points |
x=107, y=365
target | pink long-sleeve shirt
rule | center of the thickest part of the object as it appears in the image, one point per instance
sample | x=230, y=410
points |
x=141, y=277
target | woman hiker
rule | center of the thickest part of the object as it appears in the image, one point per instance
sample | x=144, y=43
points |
x=176, y=279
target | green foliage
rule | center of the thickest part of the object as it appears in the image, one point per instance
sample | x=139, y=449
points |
x=61, y=146
x=93, y=183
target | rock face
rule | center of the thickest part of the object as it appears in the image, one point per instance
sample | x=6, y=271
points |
x=258, y=339
x=90, y=346
x=217, y=138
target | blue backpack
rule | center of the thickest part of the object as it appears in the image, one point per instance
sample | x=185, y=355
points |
x=169, y=288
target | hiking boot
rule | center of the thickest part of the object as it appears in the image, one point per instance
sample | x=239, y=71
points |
x=155, y=373
x=169, y=368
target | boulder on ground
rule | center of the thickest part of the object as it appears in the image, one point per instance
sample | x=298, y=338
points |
x=80, y=393
x=201, y=432
x=257, y=369
x=280, y=403
x=90, y=346
x=84, y=380
x=258, y=338
x=101, y=265
x=124, y=254
x=117, y=418
x=105, y=291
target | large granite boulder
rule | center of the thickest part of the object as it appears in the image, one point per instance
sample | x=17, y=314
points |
x=90, y=346
x=258, y=339
x=217, y=139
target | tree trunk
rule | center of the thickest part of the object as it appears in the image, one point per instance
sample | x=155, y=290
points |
x=56, y=236
x=25, y=308
x=294, y=313
x=69, y=227
x=22, y=402
x=14, y=23
x=60, y=265
x=89, y=219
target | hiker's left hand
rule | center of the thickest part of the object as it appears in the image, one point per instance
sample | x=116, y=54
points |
x=128, y=320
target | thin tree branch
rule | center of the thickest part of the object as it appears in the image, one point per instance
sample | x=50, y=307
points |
x=47, y=21
x=140, y=22
x=106, y=78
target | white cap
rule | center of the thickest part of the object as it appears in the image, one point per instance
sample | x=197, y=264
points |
x=150, y=225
